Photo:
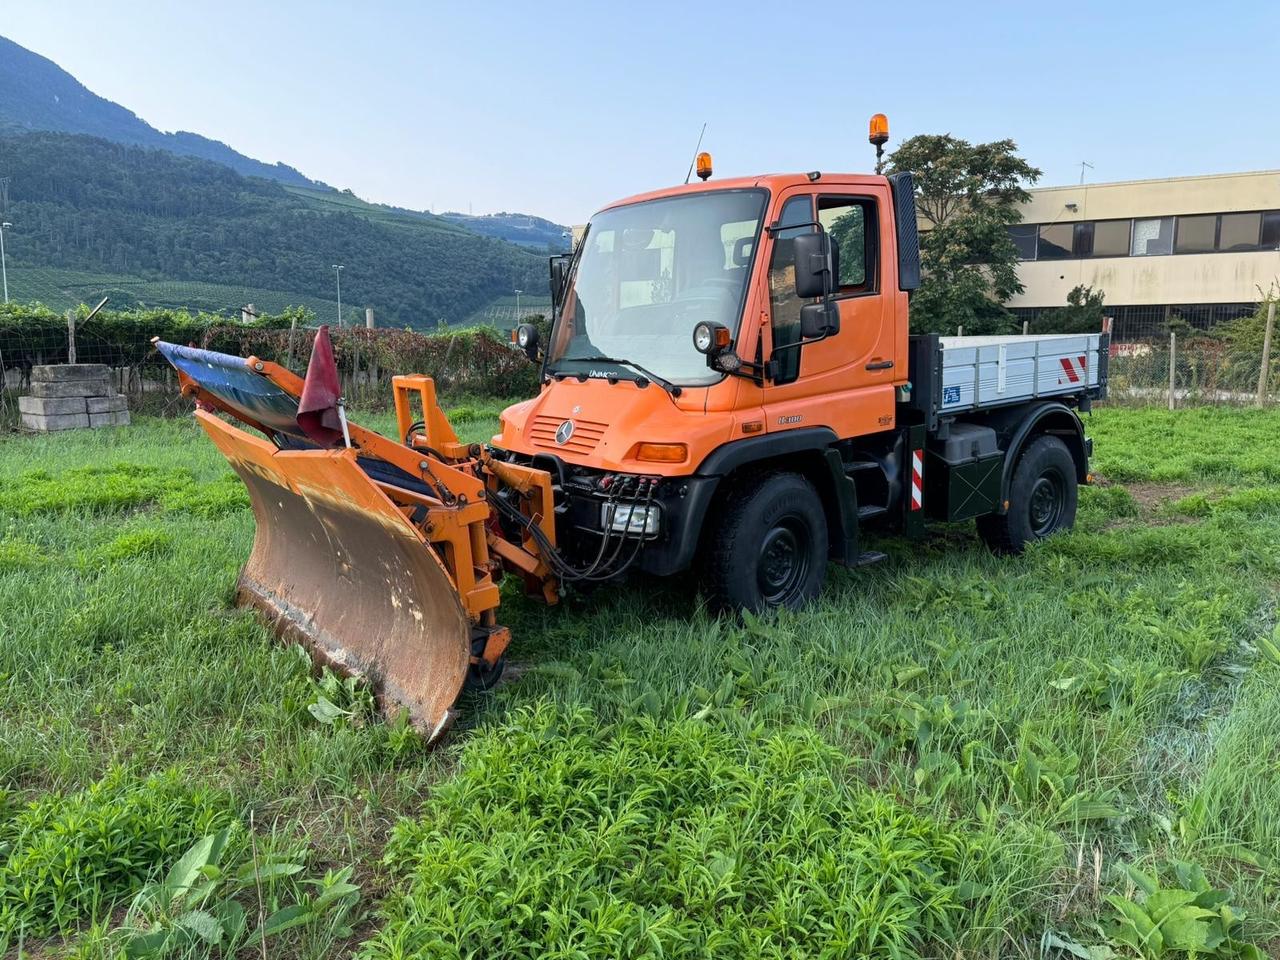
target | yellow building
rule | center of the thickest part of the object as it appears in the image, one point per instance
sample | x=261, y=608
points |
x=1197, y=247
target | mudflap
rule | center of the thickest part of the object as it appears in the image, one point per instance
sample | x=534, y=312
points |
x=337, y=567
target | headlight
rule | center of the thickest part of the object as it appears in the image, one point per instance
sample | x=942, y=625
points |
x=708, y=336
x=630, y=518
x=702, y=338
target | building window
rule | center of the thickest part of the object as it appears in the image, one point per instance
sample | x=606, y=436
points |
x=1111, y=238
x=1152, y=237
x=1271, y=230
x=1082, y=245
x=1024, y=238
x=1056, y=241
x=1239, y=231
x=1196, y=234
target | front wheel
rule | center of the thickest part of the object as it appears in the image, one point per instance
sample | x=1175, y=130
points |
x=768, y=545
x=1042, y=498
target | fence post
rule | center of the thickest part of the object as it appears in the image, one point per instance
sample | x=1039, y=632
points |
x=1026, y=327
x=355, y=358
x=372, y=362
x=293, y=329
x=1173, y=365
x=71, y=336
x=1265, y=370
x=960, y=330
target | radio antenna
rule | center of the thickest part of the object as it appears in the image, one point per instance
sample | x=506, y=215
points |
x=695, y=152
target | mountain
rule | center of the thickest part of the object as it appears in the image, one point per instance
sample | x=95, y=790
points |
x=37, y=94
x=521, y=228
x=80, y=203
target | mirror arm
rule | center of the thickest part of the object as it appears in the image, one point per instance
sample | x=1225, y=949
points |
x=800, y=343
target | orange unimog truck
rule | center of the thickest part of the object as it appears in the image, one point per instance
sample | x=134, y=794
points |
x=729, y=392
x=731, y=381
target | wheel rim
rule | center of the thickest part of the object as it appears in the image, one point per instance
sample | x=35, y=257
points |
x=783, y=563
x=1048, y=500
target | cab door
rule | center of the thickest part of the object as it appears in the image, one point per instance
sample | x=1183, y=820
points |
x=845, y=382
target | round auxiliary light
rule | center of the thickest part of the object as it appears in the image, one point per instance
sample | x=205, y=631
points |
x=704, y=337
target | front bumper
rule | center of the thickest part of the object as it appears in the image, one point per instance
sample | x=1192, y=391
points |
x=669, y=548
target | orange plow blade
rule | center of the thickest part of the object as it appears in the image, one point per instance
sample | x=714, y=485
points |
x=337, y=567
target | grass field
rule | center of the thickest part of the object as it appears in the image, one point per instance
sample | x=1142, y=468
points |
x=1075, y=753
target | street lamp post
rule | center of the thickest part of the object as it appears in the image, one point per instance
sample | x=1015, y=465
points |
x=337, y=269
x=4, y=270
x=518, y=292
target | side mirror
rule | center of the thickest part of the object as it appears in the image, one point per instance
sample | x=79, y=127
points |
x=818, y=320
x=816, y=265
x=527, y=340
x=559, y=276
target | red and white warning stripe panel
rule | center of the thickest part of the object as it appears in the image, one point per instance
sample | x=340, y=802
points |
x=1074, y=369
x=917, y=479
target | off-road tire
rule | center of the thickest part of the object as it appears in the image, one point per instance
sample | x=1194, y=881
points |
x=766, y=546
x=1042, y=498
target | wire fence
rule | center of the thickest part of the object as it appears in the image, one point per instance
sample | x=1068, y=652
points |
x=1232, y=362
x=476, y=362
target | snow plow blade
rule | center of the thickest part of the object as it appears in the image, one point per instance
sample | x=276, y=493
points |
x=337, y=566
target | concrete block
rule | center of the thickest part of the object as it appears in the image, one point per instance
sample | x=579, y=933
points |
x=65, y=421
x=113, y=404
x=70, y=371
x=51, y=407
x=116, y=418
x=55, y=389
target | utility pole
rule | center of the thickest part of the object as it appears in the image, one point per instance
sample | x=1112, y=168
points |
x=337, y=269
x=4, y=270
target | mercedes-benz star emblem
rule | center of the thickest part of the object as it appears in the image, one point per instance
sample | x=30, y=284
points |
x=564, y=432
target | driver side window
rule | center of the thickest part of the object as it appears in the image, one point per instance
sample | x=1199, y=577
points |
x=784, y=305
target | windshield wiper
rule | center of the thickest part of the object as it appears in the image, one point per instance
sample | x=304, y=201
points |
x=664, y=383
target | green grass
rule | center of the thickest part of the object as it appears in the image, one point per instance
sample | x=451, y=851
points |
x=952, y=754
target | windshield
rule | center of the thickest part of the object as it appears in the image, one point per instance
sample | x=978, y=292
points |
x=647, y=273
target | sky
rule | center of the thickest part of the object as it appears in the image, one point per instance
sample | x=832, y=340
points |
x=558, y=108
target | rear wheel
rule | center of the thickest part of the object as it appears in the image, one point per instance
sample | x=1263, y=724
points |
x=1042, y=498
x=768, y=545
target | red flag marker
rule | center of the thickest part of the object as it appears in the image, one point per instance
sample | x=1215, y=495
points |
x=320, y=412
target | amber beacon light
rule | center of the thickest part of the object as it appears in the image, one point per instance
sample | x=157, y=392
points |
x=879, y=135
x=704, y=165
x=879, y=129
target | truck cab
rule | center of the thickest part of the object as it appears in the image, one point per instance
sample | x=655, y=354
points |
x=728, y=387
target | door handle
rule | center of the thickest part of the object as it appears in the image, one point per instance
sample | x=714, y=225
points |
x=880, y=365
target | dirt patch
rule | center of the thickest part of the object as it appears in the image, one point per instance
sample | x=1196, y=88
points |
x=1151, y=502
x=1152, y=496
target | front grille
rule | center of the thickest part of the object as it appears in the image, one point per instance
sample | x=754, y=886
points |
x=586, y=434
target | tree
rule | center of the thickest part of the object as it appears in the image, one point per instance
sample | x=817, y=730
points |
x=967, y=196
x=1082, y=314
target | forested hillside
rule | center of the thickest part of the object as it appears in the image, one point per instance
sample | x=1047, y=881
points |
x=37, y=94
x=83, y=203
x=521, y=228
